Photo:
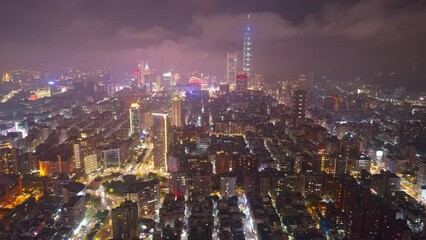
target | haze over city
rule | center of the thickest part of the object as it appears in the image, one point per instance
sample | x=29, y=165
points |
x=356, y=37
x=212, y=120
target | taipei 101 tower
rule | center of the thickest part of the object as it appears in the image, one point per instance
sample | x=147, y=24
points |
x=248, y=49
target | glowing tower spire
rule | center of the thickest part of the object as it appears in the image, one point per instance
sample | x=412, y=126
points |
x=248, y=49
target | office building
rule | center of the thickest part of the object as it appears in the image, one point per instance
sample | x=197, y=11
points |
x=135, y=119
x=125, y=221
x=160, y=132
x=299, y=107
x=177, y=120
x=231, y=67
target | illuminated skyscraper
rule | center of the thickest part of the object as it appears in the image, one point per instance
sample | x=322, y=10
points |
x=231, y=67
x=160, y=132
x=135, y=119
x=299, y=106
x=8, y=160
x=247, y=49
x=147, y=78
x=177, y=112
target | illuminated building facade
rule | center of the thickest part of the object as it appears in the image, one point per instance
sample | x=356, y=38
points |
x=91, y=163
x=83, y=148
x=14, y=204
x=299, y=107
x=40, y=93
x=111, y=157
x=148, y=197
x=6, y=77
x=247, y=50
x=8, y=160
x=55, y=162
x=231, y=67
x=177, y=112
x=178, y=184
x=160, y=132
x=201, y=185
x=311, y=184
x=147, y=78
x=228, y=185
x=135, y=119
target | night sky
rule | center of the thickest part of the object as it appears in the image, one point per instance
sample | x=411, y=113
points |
x=290, y=36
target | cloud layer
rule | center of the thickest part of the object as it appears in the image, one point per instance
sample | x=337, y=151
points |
x=356, y=36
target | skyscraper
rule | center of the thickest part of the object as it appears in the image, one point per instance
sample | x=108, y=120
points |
x=84, y=148
x=125, y=221
x=177, y=112
x=135, y=119
x=299, y=107
x=147, y=78
x=160, y=131
x=247, y=49
x=231, y=67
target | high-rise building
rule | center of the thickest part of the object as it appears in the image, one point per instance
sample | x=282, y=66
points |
x=91, y=163
x=299, y=107
x=311, y=184
x=231, y=67
x=242, y=83
x=201, y=185
x=223, y=163
x=228, y=185
x=148, y=78
x=258, y=183
x=83, y=147
x=135, y=119
x=8, y=160
x=362, y=162
x=73, y=211
x=247, y=50
x=178, y=184
x=160, y=132
x=177, y=112
x=125, y=221
x=421, y=176
x=148, y=197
